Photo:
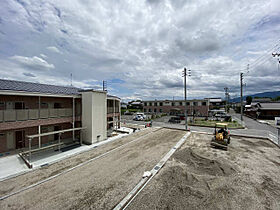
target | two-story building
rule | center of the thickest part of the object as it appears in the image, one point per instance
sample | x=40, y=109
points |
x=197, y=107
x=31, y=108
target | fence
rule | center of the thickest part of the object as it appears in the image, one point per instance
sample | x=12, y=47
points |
x=33, y=114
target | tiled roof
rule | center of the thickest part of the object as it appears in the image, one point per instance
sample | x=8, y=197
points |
x=12, y=85
x=270, y=106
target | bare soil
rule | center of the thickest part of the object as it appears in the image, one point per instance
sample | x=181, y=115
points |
x=16, y=183
x=200, y=177
x=100, y=184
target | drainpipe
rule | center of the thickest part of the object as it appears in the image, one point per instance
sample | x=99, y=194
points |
x=39, y=131
x=39, y=107
x=119, y=115
x=30, y=139
x=73, y=132
x=114, y=109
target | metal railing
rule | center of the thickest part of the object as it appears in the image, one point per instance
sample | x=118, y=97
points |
x=33, y=114
x=274, y=137
x=111, y=110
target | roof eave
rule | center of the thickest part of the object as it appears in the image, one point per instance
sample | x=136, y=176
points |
x=25, y=93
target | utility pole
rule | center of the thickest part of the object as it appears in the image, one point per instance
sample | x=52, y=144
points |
x=226, y=96
x=104, y=84
x=241, y=95
x=185, y=74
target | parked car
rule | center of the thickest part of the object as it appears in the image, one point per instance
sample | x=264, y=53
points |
x=141, y=114
x=174, y=120
x=138, y=118
x=182, y=116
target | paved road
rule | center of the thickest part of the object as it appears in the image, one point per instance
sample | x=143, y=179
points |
x=252, y=127
x=253, y=124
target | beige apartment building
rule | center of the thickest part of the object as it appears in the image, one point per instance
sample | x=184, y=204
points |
x=32, y=108
x=198, y=107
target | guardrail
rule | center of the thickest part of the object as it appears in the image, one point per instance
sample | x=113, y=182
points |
x=274, y=138
x=111, y=110
x=33, y=114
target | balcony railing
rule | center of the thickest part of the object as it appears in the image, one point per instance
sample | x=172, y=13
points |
x=111, y=110
x=33, y=114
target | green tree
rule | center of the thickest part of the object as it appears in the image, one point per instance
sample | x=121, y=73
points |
x=249, y=100
x=276, y=98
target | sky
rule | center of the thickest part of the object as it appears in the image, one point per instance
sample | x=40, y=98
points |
x=140, y=47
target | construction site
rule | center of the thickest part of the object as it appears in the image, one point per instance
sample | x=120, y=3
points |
x=182, y=171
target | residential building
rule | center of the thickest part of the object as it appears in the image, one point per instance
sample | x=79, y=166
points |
x=263, y=100
x=30, y=108
x=123, y=105
x=197, y=107
x=216, y=103
x=259, y=110
x=135, y=105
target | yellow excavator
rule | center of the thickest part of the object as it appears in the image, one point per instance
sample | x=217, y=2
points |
x=221, y=138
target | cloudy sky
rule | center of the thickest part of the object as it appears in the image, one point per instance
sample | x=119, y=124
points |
x=141, y=46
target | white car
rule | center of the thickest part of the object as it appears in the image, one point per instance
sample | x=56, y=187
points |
x=138, y=118
x=141, y=114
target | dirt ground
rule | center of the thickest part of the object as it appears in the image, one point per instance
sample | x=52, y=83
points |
x=247, y=176
x=100, y=184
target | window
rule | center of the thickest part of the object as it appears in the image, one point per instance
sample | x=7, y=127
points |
x=188, y=103
x=155, y=103
x=2, y=105
x=155, y=110
x=151, y=104
x=150, y=110
x=160, y=103
x=57, y=105
x=195, y=103
x=19, y=105
x=145, y=104
x=44, y=105
x=203, y=103
x=181, y=103
x=160, y=110
x=144, y=110
x=173, y=104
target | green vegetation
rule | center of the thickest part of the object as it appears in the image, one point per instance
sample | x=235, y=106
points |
x=276, y=98
x=131, y=110
x=211, y=123
x=249, y=99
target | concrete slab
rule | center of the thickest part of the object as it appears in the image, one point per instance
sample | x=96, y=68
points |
x=11, y=165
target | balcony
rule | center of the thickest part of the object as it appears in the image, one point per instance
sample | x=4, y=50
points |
x=33, y=114
x=110, y=110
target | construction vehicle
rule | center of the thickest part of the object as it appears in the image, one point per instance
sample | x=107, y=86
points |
x=221, y=138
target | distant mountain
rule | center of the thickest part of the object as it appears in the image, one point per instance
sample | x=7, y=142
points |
x=272, y=94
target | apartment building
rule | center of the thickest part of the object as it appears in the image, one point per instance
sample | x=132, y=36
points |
x=31, y=108
x=194, y=107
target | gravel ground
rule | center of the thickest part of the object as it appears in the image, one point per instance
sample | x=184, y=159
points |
x=101, y=184
x=199, y=177
x=16, y=183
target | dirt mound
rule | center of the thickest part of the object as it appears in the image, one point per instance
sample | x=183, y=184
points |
x=202, y=165
x=188, y=188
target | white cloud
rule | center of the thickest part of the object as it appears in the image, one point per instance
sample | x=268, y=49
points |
x=144, y=43
x=53, y=49
x=34, y=62
x=43, y=56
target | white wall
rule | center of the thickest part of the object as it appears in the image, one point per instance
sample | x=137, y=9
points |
x=94, y=116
